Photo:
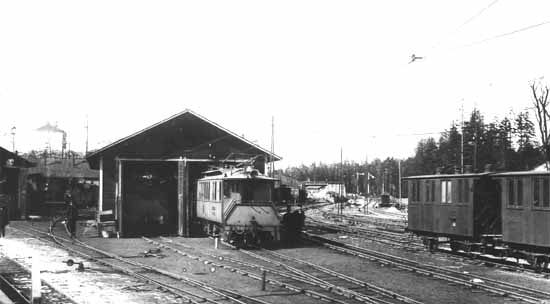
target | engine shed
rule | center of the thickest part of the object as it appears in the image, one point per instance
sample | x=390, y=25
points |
x=148, y=180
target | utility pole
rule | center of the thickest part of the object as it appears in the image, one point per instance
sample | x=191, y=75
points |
x=462, y=139
x=13, y=138
x=86, y=135
x=271, y=164
x=341, y=181
x=399, y=173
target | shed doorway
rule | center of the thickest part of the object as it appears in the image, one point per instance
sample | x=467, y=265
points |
x=149, y=198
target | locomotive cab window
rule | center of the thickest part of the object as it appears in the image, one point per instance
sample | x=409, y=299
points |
x=541, y=192
x=515, y=193
x=446, y=192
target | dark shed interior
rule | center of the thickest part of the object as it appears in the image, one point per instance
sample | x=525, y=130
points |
x=148, y=179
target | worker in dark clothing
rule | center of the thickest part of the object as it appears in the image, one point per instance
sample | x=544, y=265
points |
x=4, y=221
x=301, y=218
x=297, y=224
x=287, y=226
x=72, y=214
x=255, y=228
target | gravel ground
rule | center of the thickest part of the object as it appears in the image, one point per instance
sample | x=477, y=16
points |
x=418, y=287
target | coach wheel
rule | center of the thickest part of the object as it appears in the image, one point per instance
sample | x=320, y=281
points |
x=454, y=246
x=432, y=244
x=539, y=264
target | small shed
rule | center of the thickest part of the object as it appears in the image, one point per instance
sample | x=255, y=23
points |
x=147, y=181
x=12, y=182
x=48, y=182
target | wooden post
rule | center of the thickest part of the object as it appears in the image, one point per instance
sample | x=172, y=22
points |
x=183, y=198
x=36, y=283
x=100, y=198
x=119, y=198
x=263, y=279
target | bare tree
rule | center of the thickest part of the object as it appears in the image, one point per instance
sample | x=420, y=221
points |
x=540, y=96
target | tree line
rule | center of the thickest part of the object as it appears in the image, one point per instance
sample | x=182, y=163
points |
x=509, y=144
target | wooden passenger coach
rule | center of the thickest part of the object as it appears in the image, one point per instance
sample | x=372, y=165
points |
x=526, y=209
x=460, y=207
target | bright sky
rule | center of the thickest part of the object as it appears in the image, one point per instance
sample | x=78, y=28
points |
x=332, y=73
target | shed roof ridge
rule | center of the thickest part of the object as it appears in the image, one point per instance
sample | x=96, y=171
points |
x=187, y=110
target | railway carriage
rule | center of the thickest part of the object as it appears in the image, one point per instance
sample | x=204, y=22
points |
x=526, y=214
x=238, y=204
x=457, y=208
x=506, y=214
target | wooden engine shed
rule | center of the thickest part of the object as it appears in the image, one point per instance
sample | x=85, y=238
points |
x=147, y=181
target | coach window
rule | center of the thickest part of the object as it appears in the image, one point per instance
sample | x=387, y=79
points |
x=415, y=191
x=433, y=190
x=463, y=191
x=515, y=192
x=541, y=192
x=427, y=186
x=446, y=192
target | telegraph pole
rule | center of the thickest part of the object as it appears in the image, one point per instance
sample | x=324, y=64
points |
x=462, y=139
x=272, y=165
x=341, y=181
x=399, y=173
x=13, y=138
x=86, y=135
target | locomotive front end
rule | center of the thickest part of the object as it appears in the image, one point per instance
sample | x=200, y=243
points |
x=238, y=204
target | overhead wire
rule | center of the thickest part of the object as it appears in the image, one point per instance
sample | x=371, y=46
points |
x=467, y=21
x=503, y=35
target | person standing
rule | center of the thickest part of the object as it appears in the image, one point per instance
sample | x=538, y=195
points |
x=72, y=215
x=4, y=220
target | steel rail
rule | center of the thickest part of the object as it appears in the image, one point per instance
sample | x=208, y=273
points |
x=366, y=233
x=434, y=271
x=12, y=291
x=288, y=286
x=388, y=237
x=345, y=277
x=174, y=290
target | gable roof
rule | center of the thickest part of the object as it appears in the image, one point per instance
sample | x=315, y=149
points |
x=93, y=158
x=18, y=160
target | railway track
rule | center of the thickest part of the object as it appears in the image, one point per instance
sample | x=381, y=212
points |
x=472, y=281
x=409, y=242
x=404, y=241
x=187, y=290
x=302, y=276
x=15, y=281
x=391, y=224
x=14, y=292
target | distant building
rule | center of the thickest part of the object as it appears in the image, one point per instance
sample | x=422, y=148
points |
x=12, y=181
x=319, y=190
x=48, y=182
x=147, y=181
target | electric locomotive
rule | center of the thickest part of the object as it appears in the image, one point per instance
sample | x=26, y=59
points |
x=237, y=204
